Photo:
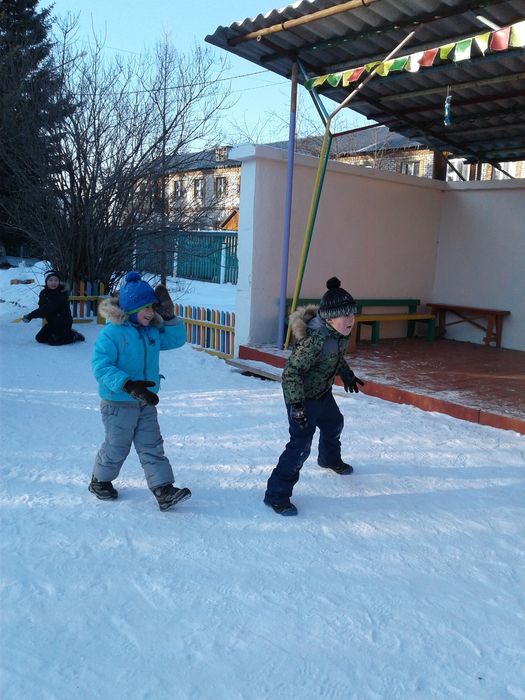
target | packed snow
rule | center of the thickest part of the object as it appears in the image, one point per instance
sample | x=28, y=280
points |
x=404, y=580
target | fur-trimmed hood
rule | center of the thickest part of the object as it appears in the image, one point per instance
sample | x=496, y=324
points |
x=110, y=310
x=302, y=318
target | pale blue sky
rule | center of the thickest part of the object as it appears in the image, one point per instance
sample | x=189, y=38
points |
x=136, y=25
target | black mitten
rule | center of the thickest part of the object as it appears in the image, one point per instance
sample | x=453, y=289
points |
x=165, y=306
x=350, y=381
x=137, y=389
x=298, y=414
x=26, y=319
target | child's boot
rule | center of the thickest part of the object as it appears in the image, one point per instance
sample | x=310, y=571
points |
x=284, y=508
x=102, y=489
x=339, y=468
x=168, y=496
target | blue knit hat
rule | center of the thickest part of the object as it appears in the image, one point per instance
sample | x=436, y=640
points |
x=135, y=294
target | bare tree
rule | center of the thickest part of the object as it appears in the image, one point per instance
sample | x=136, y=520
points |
x=110, y=183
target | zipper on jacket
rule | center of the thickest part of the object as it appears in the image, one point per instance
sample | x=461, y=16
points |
x=141, y=336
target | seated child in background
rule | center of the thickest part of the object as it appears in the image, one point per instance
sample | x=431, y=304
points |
x=53, y=306
x=125, y=363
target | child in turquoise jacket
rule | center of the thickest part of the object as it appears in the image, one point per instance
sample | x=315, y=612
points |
x=125, y=363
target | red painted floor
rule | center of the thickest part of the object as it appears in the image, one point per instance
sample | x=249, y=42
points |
x=473, y=382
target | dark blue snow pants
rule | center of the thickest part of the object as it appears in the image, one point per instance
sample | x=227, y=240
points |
x=324, y=414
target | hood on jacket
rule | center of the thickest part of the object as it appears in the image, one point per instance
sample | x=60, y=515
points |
x=300, y=319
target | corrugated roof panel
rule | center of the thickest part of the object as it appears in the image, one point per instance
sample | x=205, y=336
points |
x=493, y=84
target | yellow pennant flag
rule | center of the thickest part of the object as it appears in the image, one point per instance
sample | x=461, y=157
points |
x=517, y=35
x=482, y=41
x=317, y=81
x=445, y=50
x=384, y=68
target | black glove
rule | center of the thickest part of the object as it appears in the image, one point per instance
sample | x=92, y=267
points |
x=298, y=414
x=26, y=319
x=138, y=390
x=165, y=306
x=350, y=381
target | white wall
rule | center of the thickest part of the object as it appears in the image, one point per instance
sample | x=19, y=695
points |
x=378, y=232
x=481, y=254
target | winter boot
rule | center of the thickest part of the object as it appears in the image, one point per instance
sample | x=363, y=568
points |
x=339, y=468
x=103, y=489
x=168, y=496
x=286, y=508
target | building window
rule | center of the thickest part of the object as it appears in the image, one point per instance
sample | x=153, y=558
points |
x=221, y=153
x=178, y=189
x=510, y=168
x=460, y=167
x=198, y=188
x=220, y=186
x=410, y=167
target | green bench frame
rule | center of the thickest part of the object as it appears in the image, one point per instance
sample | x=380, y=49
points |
x=374, y=320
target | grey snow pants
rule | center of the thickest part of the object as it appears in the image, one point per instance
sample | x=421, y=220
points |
x=126, y=424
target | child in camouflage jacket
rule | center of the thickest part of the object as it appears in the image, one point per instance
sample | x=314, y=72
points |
x=321, y=336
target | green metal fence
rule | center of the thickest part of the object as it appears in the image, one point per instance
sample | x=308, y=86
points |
x=209, y=256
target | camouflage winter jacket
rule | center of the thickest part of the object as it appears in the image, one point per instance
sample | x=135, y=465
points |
x=316, y=359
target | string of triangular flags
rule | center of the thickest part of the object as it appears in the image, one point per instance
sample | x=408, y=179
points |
x=509, y=37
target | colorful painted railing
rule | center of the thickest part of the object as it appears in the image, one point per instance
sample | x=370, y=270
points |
x=210, y=329
x=84, y=299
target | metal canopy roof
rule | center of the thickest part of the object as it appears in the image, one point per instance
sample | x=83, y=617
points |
x=487, y=91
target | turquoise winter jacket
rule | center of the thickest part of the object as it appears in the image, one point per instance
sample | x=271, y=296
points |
x=124, y=351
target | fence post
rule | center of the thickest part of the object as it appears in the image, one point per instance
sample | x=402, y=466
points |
x=224, y=251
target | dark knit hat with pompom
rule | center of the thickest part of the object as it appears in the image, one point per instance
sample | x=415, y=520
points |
x=51, y=273
x=336, y=301
x=135, y=294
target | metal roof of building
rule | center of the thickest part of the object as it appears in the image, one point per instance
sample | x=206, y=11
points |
x=369, y=139
x=486, y=87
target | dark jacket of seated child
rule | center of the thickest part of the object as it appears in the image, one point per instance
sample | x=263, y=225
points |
x=53, y=306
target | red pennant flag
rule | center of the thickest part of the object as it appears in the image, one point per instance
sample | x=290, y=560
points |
x=352, y=75
x=500, y=40
x=428, y=58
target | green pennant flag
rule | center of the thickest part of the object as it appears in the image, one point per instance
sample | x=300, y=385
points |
x=463, y=50
x=517, y=35
x=333, y=79
x=399, y=63
x=445, y=50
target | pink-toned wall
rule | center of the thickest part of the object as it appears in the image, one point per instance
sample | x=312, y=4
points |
x=481, y=254
x=382, y=234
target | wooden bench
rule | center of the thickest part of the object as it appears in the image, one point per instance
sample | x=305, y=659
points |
x=411, y=316
x=374, y=320
x=471, y=314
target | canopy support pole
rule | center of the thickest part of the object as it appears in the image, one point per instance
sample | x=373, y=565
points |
x=287, y=208
x=321, y=170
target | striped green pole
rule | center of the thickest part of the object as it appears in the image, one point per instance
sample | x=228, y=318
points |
x=312, y=213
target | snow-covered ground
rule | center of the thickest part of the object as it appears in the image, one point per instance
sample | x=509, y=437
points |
x=404, y=580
